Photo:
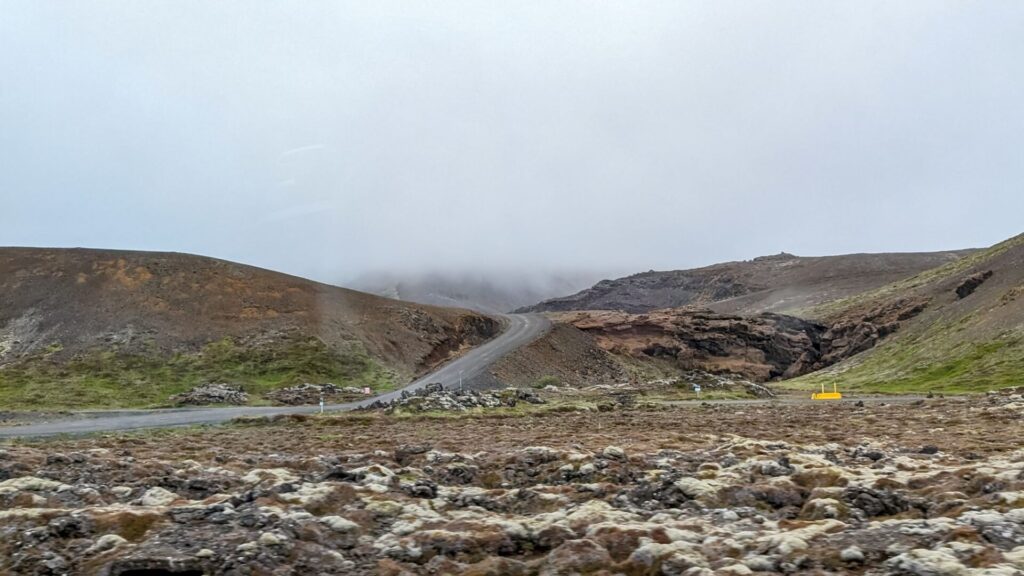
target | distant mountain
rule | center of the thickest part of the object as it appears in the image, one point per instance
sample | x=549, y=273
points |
x=782, y=284
x=957, y=327
x=117, y=328
x=488, y=291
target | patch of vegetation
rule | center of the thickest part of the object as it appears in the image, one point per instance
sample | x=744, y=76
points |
x=130, y=526
x=117, y=379
x=545, y=381
x=929, y=364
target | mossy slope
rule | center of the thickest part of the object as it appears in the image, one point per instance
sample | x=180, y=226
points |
x=968, y=344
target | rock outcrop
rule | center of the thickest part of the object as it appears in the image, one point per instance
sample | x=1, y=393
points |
x=858, y=330
x=971, y=283
x=760, y=348
x=312, y=393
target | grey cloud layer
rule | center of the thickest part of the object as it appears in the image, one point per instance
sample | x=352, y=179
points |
x=333, y=138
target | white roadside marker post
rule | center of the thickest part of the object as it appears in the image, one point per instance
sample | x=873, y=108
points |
x=321, y=402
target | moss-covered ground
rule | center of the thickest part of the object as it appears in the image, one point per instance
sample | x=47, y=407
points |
x=115, y=379
x=930, y=363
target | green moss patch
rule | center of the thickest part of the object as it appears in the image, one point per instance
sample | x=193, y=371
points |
x=925, y=365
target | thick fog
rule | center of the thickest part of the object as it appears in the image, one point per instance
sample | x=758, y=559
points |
x=334, y=139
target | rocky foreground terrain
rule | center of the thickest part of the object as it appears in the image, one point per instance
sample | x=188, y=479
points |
x=922, y=487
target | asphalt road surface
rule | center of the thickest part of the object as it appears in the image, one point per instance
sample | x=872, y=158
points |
x=520, y=329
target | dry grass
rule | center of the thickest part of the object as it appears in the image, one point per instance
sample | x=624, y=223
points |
x=959, y=425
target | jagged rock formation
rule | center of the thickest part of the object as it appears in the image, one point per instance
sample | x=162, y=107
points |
x=971, y=284
x=759, y=347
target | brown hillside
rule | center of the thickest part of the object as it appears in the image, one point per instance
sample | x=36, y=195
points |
x=68, y=304
x=783, y=284
x=565, y=356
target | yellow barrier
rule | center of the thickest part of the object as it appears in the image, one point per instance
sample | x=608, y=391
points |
x=833, y=395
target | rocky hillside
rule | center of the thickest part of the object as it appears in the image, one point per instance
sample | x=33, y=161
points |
x=565, y=356
x=783, y=283
x=113, y=328
x=957, y=327
x=489, y=292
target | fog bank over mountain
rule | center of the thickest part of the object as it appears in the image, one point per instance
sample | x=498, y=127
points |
x=495, y=291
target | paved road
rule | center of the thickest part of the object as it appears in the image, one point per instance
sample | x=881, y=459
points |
x=520, y=329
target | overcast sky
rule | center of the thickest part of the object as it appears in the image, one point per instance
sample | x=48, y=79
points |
x=331, y=138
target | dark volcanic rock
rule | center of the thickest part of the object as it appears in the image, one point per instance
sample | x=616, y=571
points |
x=875, y=502
x=859, y=330
x=971, y=284
x=761, y=347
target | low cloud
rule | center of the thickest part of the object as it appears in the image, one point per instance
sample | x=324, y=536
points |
x=335, y=139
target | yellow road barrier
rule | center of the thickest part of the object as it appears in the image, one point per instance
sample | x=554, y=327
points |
x=833, y=395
